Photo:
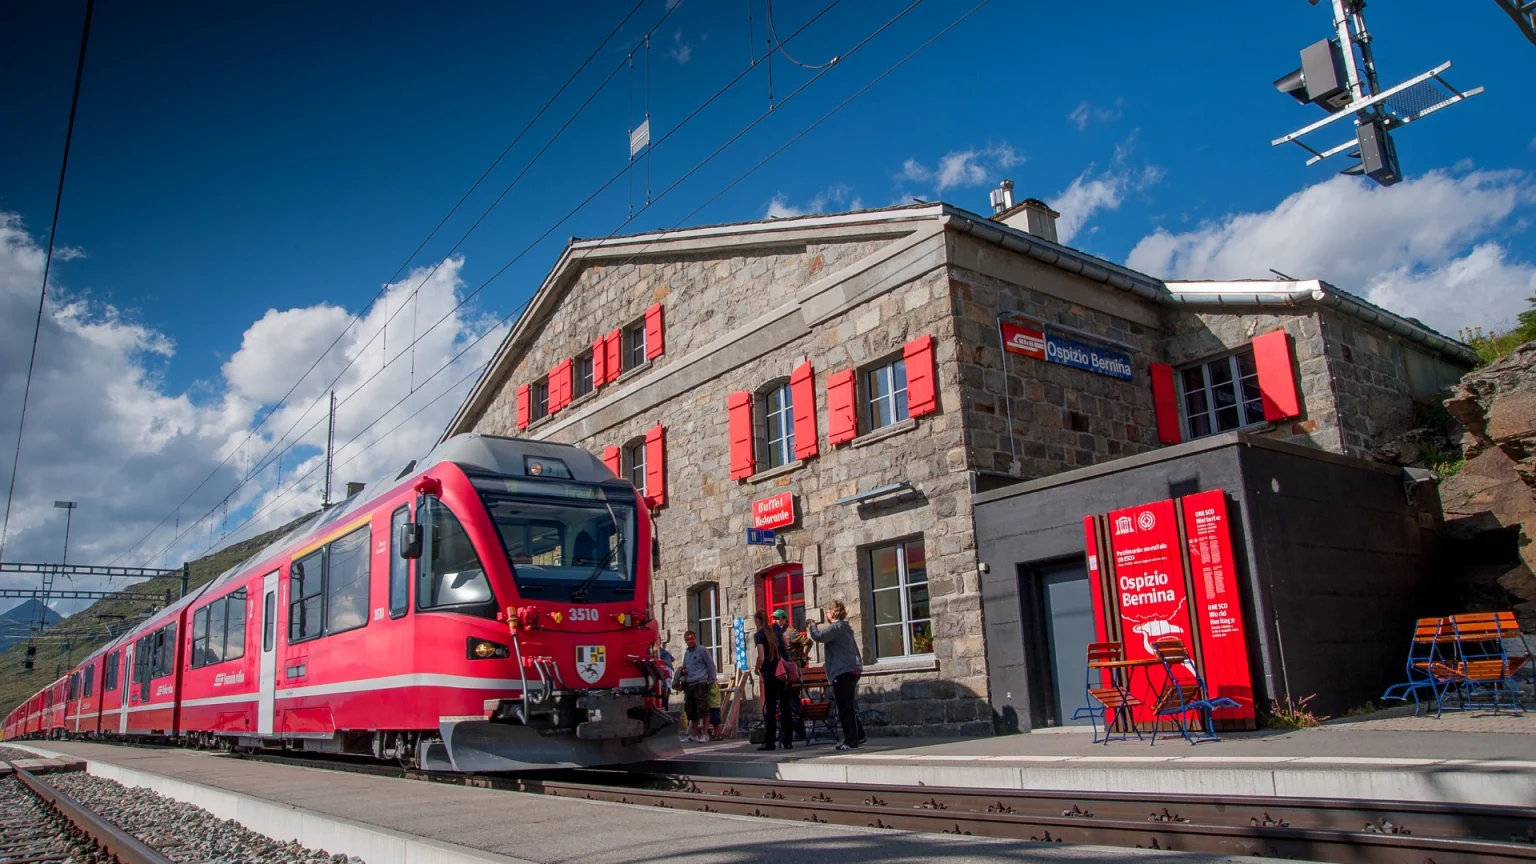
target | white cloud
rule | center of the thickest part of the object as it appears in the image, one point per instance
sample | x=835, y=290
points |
x=962, y=168
x=1424, y=248
x=104, y=430
x=681, y=51
x=1086, y=113
x=1091, y=192
x=837, y=198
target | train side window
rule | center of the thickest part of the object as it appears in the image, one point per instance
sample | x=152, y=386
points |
x=165, y=651
x=74, y=687
x=305, y=598
x=269, y=621
x=200, y=637
x=449, y=573
x=346, y=582
x=399, y=568
x=109, y=676
x=234, y=629
x=90, y=683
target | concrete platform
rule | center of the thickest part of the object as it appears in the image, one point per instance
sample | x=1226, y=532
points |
x=1345, y=760
x=387, y=821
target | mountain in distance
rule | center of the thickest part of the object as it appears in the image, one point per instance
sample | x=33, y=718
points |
x=16, y=622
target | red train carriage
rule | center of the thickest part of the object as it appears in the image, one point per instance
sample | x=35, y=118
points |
x=486, y=611
x=82, y=716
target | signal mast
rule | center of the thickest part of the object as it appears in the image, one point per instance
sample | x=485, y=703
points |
x=1338, y=74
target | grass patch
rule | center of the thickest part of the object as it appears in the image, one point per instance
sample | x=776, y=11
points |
x=1370, y=707
x=1289, y=714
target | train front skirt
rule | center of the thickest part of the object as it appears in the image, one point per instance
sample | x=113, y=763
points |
x=472, y=746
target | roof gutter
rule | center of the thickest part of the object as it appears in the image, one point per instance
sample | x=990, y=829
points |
x=1057, y=255
x=1315, y=292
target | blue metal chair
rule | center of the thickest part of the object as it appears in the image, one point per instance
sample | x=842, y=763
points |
x=1183, y=692
x=1484, y=664
x=1114, y=701
x=1429, y=673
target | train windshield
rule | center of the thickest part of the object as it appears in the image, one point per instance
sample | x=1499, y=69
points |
x=567, y=542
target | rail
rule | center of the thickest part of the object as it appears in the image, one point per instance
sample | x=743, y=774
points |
x=116, y=842
x=1332, y=830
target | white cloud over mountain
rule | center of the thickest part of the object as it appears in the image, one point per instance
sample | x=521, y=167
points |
x=1432, y=247
x=104, y=430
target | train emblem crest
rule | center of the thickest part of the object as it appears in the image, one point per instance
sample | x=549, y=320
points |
x=591, y=662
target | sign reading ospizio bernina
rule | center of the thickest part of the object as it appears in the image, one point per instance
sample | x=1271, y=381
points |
x=1059, y=349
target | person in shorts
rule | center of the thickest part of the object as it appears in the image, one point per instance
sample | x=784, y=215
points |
x=698, y=680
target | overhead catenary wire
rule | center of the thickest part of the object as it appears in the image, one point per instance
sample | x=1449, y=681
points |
x=42, y=297
x=614, y=269
x=398, y=271
x=298, y=440
x=780, y=45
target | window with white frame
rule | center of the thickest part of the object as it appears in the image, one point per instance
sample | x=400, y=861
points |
x=898, y=586
x=634, y=346
x=885, y=388
x=1220, y=395
x=776, y=436
x=540, y=406
x=634, y=464
x=704, y=618
x=583, y=375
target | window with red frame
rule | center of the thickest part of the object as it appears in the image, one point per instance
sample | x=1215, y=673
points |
x=785, y=589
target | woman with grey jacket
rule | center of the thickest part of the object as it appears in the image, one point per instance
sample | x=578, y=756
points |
x=843, y=670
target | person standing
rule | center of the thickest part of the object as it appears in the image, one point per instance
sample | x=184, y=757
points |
x=667, y=663
x=698, y=680
x=843, y=670
x=778, y=713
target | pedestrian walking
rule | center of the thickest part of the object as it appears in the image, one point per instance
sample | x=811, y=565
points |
x=843, y=670
x=698, y=679
x=778, y=710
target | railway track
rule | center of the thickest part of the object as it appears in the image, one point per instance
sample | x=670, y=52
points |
x=39, y=823
x=1331, y=830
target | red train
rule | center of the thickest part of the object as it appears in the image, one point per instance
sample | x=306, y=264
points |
x=486, y=610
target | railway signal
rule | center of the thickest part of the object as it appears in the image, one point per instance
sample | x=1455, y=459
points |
x=1338, y=74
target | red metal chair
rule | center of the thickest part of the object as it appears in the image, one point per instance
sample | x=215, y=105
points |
x=1114, y=701
x=1184, y=691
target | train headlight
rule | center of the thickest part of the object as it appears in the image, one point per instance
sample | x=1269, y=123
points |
x=623, y=619
x=485, y=649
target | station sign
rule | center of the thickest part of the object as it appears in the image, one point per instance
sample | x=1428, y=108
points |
x=774, y=512
x=1067, y=352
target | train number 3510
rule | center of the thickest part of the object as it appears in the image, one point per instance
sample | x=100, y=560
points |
x=583, y=614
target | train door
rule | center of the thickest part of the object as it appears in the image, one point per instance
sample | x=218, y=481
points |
x=265, y=707
x=125, y=676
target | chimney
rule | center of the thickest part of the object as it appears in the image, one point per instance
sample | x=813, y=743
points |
x=354, y=488
x=1002, y=198
x=1031, y=216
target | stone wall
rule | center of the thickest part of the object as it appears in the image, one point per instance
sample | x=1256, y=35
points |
x=1055, y=418
x=1371, y=384
x=702, y=528
x=1193, y=336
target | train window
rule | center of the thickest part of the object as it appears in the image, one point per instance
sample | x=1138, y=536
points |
x=74, y=687
x=305, y=597
x=234, y=628
x=567, y=549
x=346, y=582
x=399, y=568
x=90, y=683
x=269, y=621
x=449, y=573
x=109, y=677
x=165, y=651
x=200, y=636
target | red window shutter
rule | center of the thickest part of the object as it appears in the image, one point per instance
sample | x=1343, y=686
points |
x=1277, y=383
x=560, y=386
x=568, y=382
x=656, y=466
x=842, y=407
x=611, y=348
x=802, y=394
x=611, y=459
x=922, y=389
x=739, y=409
x=552, y=386
x=655, y=345
x=599, y=362
x=524, y=393
x=1165, y=404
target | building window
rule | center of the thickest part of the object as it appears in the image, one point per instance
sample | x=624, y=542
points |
x=1220, y=395
x=704, y=618
x=539, y=405
x=583, y=375
x=898, y=577
x=776, y=440
x=634, y=464
x=634, y=346
x=886, y=388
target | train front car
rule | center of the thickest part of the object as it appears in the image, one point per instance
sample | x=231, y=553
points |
x=567, y=550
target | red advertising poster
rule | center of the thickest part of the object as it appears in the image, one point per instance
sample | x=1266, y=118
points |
x=1217, y=605
x=1024, y=340
x=1096, y=589
x=1149, y=588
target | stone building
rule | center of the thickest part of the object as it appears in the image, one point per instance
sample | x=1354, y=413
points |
x=842, y=379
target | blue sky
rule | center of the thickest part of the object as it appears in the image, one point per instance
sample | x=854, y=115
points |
x=277, y=163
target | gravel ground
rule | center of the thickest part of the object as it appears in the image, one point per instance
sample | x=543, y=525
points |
x=9, y=753
x=183, y=832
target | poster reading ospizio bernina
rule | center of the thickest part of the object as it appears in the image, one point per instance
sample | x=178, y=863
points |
x=1149, y=588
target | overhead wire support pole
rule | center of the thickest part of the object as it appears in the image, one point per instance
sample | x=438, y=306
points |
x=42, y=298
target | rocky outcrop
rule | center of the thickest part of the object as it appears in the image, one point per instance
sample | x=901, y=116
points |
x=1494, y=493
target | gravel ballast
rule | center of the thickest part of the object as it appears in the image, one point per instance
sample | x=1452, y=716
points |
x=184, y=832
x=10, y=754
